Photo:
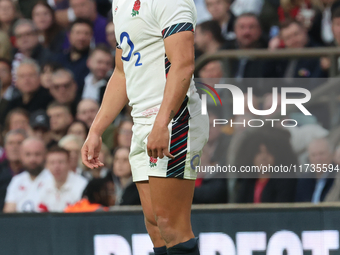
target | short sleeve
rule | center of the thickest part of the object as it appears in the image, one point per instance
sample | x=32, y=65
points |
x=11, y=194
x=174, y=16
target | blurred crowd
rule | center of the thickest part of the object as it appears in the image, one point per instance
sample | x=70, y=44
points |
x=56, y=57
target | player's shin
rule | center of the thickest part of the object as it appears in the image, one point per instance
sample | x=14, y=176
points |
x=188, y=248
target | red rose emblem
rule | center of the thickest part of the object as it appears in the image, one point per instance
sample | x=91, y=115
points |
x=153, y=162
x=136, y=7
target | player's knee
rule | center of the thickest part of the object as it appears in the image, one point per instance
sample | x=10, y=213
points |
x=166, y=227
x=150, y=220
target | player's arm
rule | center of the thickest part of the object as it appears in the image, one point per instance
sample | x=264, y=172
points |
x=114, y=100
x=10, y=207
x=179, y=49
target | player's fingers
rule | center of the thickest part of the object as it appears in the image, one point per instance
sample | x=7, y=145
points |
x=90, y=153
x=154, y=153
x=84, y=158
x=149, y=152
x=160, y=153
x=98, y=162
x=168, y=154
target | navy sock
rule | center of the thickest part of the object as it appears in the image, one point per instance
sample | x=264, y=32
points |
x=188, y=248
x=160, y=250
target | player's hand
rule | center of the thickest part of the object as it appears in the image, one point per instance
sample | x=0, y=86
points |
x=90, y=151
x=158, y=142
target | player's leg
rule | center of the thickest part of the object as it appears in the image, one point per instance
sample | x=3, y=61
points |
x=149, y=218
x=171, y=202
x=139, y=168
x=172, y=197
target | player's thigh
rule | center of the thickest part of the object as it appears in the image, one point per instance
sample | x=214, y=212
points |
x=172, y=199
x=138, y=157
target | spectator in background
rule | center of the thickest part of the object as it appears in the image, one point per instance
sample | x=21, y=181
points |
x=60, y=119
x=126, y=190
x=302, y=136
x=301, y=10
x=111, y=37
x=334, y=193
x=98, y=195
x=12, y=165
x=65, y=187
x=27, y=44
x=6, y=90
x=208, y=187
x=63, y=13
x=8, y=16
x=211, y=74
x=266, y=147
x=87, y=9
x=321, y=27
x=33, y=97
x=50, y=33
x=40, y=125
x=325, y=61
x=336, y=26
x=63, y=89
x=239, y=7
x=212, y=70
x=315, y=188
x=248, y=33
x=17, y=118
x=123, y=135
x=5, y=46
x=248, y=36
x=75, y=58
x=73, y=145
x=24, y=188
x=87, y=110
x=214, y=150
x=6, y=79
x=100, y=64
x=295, y=36
x=239, y=132
x=78, y=128
x=202, y=12
x=104, y=7
x=46, y=73
x=220, y=11
x=208, y=37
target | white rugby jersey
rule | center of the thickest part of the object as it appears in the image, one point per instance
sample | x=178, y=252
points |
x=24, y=192
x=56, y=200
x=140, y=28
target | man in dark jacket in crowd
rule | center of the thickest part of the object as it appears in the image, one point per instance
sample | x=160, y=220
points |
x=33, y=96
x=74, y=59
x=27, y=44
x=12, y=165
x=315, y=189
